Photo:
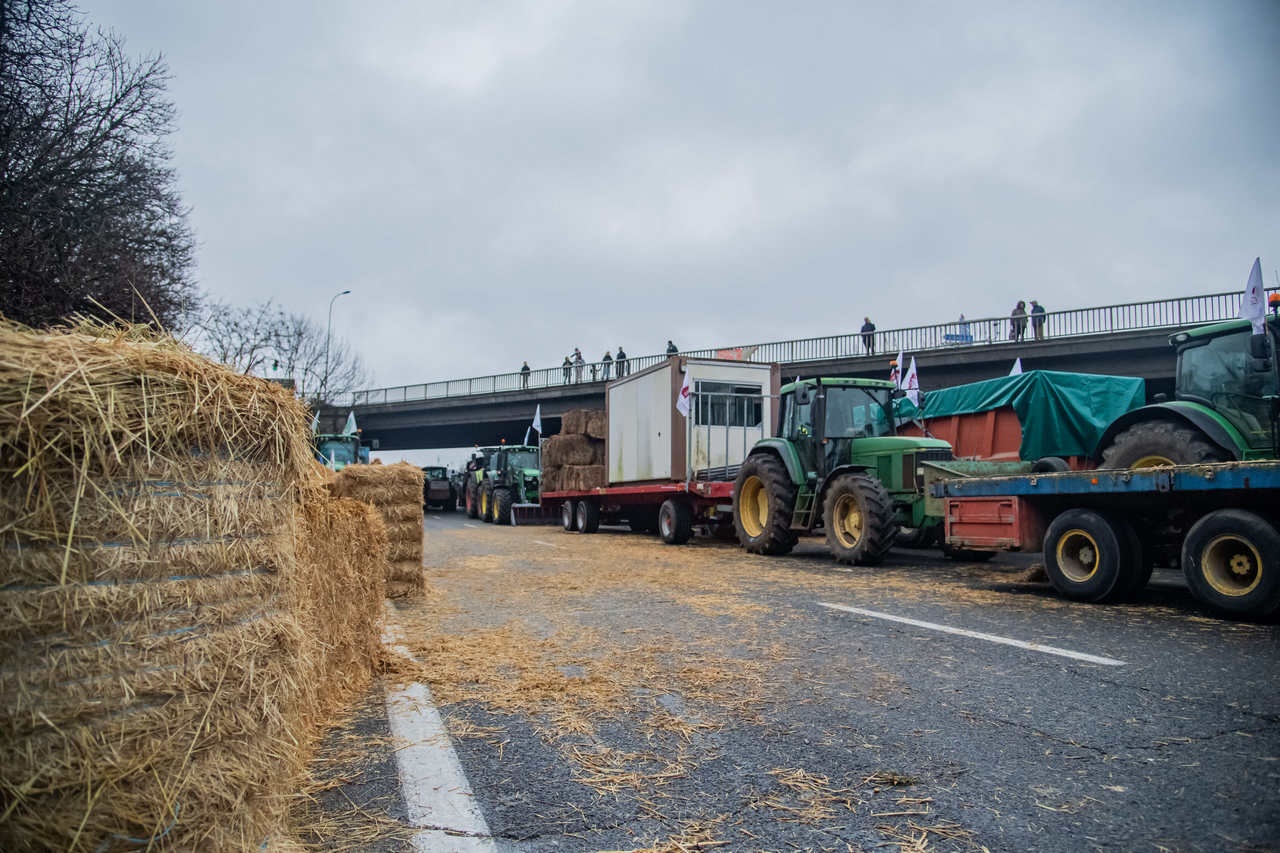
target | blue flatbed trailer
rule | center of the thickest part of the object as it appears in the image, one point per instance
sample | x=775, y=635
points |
x=1103, y=531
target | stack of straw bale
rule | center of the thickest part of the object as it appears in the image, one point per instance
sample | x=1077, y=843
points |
x=153, y=656
x=395, y=491
x=575, y=459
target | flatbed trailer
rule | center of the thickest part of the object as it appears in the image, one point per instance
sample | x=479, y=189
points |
x=672, y=509
x=1103, y=531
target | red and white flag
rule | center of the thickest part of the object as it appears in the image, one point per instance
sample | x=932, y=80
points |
x=682, y=399
x=895, y=372
x=911, y=383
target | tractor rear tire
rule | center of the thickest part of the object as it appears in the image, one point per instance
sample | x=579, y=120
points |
x=1153, y=443
x=501, y=506
x=675, y=522
x=567, y=520
x=764, y=499
x=1089, y=556
x=472, y=499
x=587, y=517
x=1231, y=560
x=486, y=502
x=858, y=516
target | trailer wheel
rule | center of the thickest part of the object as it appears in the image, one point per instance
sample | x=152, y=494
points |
x=1137, y=569
x=472, y=500
x=587, y=517
x=763, y=500
x=1150, y=444
x=1231, y=559
x=567, y=516
x=858, y=516
x=1088, y=556
x=675, y=522
x=502, y=506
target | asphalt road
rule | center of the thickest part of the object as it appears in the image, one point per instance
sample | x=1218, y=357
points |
x=608, y=692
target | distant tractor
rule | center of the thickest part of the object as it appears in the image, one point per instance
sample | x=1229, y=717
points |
x=473, y=477
x=1226, y=403
x=437, y=489
x=835, y=465
x=339, y=451
x=512, y=476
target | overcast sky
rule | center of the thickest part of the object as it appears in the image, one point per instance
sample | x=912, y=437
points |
x=498, y=181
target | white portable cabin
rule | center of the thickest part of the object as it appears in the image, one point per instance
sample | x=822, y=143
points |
x=733, y=405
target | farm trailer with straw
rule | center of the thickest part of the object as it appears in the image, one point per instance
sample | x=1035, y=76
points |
x=667, y=472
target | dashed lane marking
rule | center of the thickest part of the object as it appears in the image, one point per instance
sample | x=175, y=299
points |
x=548, y=544
x=978, y=635
x=470, y=525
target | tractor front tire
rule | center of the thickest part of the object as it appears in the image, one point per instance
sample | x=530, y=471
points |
x=858, y=516
x=1155, y=443
x=501, y=506
x=1231, y=560
x=764, y=499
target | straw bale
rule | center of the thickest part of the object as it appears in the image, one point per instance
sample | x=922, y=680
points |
x=379, y=485
x=574, y=422
x=585, y=476
x=405, y=589
x=597, y=425
x=572, y=450
x=551, y=478
x=148, y=498
x=403, y=514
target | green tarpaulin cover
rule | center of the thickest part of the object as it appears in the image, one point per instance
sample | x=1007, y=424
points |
x=1062, y=414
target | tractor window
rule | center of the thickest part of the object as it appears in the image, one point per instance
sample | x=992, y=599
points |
x=797, y=418
x=727, y=404
x=522, y=459
x=1217, y=374
x=856, y=413
x=434, y=472
x=338, y=451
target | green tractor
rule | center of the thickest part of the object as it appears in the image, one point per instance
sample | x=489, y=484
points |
x=511, y=476
x=473, y=478
x=1226, y=403
x=837, y=465
x=338, y=451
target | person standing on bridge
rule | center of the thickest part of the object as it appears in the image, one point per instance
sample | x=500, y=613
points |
x=1018, y=322
x=620, y=361
x=868, y=336
x=605, y=363
x=672, y=349
x=567, y=366
x=524, y=375
x=1037, y=320
x=578, y=363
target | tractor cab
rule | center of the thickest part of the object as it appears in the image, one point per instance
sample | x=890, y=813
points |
x=338, y=451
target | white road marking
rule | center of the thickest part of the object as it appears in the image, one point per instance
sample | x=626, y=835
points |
x=977, y=635
x=548, y=544
x=436, y=793
x=470, y=525
x=436, y=517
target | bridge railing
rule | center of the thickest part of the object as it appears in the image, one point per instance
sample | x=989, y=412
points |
x=982, y=331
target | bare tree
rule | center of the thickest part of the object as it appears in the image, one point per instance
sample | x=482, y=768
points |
x=266, y=341
x=90, y=219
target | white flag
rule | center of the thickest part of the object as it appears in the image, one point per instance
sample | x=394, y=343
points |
x=537, y=424
x=1017, y=366
x=895, y=372
x=315, y=422
x=350, y=428
x=911, y=383
x=1254, y=305
x=682, y=400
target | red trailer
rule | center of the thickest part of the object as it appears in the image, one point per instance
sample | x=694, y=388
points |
x=668, y=471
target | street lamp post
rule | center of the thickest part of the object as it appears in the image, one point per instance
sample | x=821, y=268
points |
x=324, y=385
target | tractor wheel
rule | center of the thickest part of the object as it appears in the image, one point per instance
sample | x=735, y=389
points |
x=587, y=517
x=966, y=555
x=675, y=522
x=858, y=516
x=1155, y=443
x=486, y=503
x=1089, y=556
x=472, y=500
x=501, y=506
x=763, y=500
x=1231, y=559
x=567, y=516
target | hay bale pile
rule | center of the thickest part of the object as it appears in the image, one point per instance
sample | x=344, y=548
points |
x=575, y=458
x=395, y=491
x=151, y=618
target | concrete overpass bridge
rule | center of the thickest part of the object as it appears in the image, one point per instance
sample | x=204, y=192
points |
x=1126, y=340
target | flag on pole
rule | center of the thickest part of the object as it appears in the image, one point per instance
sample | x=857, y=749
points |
x=537, y=424
x=315, y=423
x=1017, y=367
x=1254, y=305
x=895, y=372
x=911, y=383
x=350, y=428
x=682, y=399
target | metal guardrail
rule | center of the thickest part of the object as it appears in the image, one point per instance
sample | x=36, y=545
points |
x=1173, y=313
